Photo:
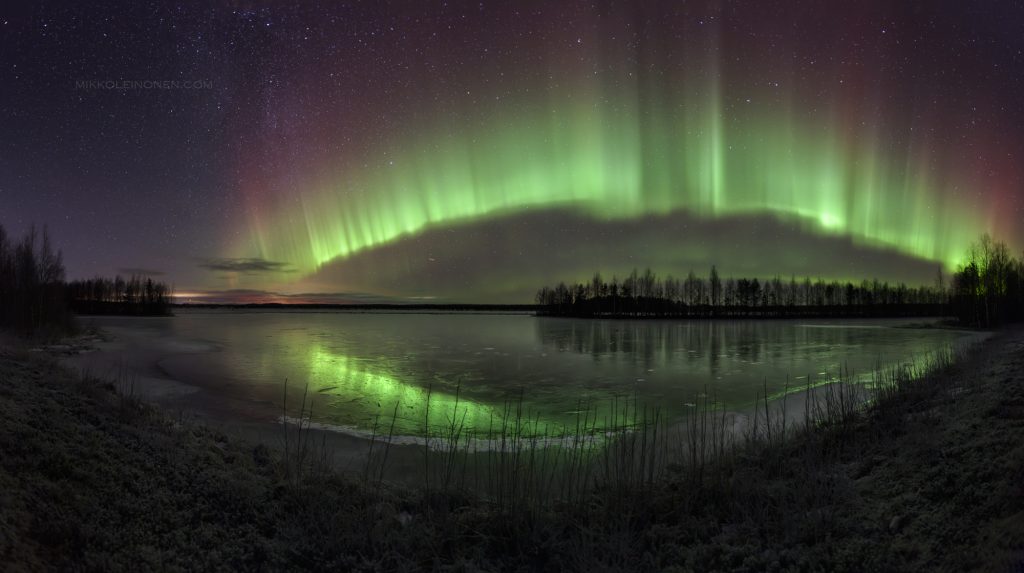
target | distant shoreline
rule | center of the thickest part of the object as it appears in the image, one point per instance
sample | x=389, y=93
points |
x=364, y=307
x=696, y=313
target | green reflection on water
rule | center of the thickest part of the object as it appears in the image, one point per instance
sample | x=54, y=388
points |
x=378, y=392
x=371, y=394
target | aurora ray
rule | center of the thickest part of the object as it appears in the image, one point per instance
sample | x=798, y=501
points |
x=624, y=152
x=330, y=149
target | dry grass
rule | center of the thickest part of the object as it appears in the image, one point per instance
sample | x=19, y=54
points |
x=627, y=449
x=781, y=487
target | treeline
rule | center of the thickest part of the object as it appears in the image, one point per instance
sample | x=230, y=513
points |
x=988, y=289
x=648, y=295
x=356, y=307
x=135, y=295
x=32, y=288
x=36, y=300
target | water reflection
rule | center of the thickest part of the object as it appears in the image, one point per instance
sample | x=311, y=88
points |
x=651, y=344
x=359, y=366
x=344, y=383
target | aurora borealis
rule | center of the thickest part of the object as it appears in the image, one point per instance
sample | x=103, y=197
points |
x=472, y=152
x=612, y=166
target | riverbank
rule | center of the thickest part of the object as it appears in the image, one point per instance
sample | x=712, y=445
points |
x=928, y=479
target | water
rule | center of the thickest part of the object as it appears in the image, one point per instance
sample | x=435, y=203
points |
x=363, y=368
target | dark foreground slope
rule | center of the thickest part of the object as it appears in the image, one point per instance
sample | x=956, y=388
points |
x=932, y=478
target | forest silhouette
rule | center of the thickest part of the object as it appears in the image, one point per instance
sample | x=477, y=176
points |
x=37, y=300
x=986, y=290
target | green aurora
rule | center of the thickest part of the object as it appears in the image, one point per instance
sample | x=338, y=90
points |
x=657, y=132
x=616, y=166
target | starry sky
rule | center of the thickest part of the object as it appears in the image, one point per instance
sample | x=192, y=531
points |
x=472, y=152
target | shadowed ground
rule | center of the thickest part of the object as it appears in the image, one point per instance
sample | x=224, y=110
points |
x=929, y=479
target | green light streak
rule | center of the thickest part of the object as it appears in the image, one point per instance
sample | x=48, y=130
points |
x=624, y=153
x=369, y=396
x=344, y=378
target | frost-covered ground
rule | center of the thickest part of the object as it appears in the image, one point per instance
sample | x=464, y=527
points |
x=94, y=480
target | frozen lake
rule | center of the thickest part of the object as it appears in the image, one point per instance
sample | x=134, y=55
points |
x=359, y=367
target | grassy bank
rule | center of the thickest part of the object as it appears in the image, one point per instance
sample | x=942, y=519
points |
x=929, y=477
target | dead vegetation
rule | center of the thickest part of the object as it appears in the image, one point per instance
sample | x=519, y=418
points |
x=925, y=475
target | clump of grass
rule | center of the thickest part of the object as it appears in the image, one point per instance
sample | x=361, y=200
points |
x=622, y=486
x=598, y=486
x=122, y=382
x=304, y=457
x=629, y=446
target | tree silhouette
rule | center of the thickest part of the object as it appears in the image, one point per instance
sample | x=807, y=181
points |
x=716, y=287
x=32, y=285
x=987, y=289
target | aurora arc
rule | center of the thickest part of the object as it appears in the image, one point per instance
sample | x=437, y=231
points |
x=627, y=153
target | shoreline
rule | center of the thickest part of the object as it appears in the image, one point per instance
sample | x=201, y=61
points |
x=103, y=354
x=927, y=481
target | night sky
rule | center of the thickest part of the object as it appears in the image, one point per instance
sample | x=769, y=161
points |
x=450, y=151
